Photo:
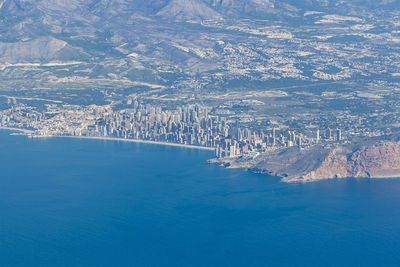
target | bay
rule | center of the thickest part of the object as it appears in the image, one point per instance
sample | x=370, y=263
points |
x=72, y=202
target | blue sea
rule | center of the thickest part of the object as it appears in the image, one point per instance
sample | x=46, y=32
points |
x=73, y=202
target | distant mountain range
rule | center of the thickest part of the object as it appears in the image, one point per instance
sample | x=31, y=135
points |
x=182, y=9
x=158, y=41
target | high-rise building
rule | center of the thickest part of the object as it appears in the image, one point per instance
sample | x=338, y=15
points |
x=338, y=134
x=273, y=137
x=328, y=134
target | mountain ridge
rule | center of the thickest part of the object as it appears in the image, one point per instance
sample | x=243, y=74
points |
x=177, y=42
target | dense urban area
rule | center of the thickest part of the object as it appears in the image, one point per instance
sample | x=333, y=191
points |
x=188, y=125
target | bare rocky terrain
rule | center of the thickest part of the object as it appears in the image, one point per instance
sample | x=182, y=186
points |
x=364, y=158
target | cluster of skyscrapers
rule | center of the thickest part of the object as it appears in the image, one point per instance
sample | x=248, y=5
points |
x=189, y=125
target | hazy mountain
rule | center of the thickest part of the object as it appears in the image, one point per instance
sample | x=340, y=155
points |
x=37, y=50
x=176, y=9
x=188, y=10
x=172, y=41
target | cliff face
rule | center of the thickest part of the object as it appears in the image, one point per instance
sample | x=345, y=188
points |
x=378, y=160
x=290, y=163
x=370, y=158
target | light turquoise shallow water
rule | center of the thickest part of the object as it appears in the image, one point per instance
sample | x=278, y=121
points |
x=70, y=202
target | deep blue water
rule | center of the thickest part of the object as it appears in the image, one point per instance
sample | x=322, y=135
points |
x=70, y=202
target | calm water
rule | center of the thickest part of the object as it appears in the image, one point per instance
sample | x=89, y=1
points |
x=69, y=202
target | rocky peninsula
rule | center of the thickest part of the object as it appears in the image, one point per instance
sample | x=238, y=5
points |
x=361, y=158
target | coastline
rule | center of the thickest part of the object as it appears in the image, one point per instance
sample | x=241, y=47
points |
x=132, y=141
x=16, y=129
x=111, y=139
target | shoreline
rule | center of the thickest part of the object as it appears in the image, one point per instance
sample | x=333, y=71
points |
x=111, y=139
x=131, y=141
x=17, y=129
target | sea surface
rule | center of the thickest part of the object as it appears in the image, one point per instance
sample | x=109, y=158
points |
x=73, y=202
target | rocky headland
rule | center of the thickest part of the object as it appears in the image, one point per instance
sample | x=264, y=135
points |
x=362, y=158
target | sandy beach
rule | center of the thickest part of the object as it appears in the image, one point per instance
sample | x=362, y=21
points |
x=135, y=141
x=111, y=139
x=16, y=129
